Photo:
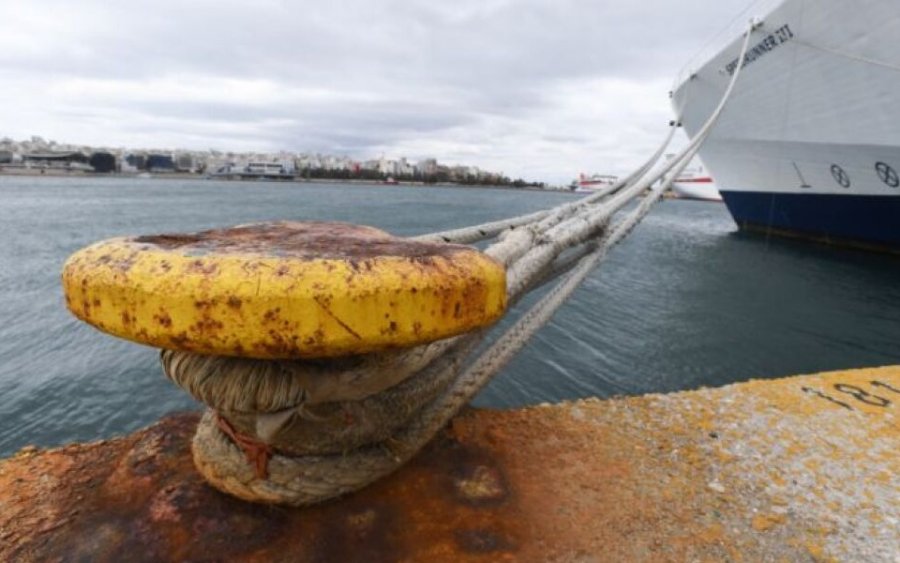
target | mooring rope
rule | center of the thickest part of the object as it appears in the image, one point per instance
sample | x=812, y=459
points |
x=485, y=231
x=298, y=433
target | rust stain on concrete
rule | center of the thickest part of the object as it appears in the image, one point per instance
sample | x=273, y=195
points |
x=799, y=469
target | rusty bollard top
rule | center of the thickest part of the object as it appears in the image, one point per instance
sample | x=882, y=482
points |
x=283, y=290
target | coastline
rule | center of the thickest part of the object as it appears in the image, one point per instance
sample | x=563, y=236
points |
x=63, y=173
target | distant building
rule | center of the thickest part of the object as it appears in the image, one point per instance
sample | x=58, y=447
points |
x=160, y=163
x=103, y=162
x=427, y=167
x=6, y=157
x=134, y=162
x=266, y=168
x=387, y=167
x=68, y=160
x=404, y=168
x=184, y=162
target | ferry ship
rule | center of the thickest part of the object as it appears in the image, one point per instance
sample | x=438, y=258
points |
x=809, y=143
x=695, y=183
x=592, y=183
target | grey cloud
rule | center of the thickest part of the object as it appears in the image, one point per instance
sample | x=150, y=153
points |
x=428, y=70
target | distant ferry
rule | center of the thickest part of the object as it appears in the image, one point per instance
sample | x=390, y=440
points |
x=809, y=143
x=695, y=183
x=588, y=184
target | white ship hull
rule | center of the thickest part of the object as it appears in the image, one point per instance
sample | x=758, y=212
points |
x=810, y=140
x=706, y=191
x=588, y=184
x=591, y=188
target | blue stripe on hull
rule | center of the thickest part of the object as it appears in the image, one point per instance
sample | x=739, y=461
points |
x=870, y=220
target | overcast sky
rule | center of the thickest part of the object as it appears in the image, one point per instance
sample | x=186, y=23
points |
x=540, y=89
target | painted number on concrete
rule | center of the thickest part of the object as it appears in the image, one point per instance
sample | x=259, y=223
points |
x=856, y=392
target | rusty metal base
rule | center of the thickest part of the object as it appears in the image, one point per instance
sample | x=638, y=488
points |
x=798, y=469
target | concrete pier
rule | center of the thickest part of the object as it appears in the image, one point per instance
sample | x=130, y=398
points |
x=797, y=469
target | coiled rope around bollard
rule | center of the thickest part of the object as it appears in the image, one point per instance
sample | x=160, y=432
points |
x=301, y=432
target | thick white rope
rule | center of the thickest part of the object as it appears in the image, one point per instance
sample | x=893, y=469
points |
x=474, y=378
x=468, y=235
x=581, y=227
x=503, y=349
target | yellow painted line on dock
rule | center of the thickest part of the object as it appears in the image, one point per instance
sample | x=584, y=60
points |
x=821, y=452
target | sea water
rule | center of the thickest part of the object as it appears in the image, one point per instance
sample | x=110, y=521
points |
x=684, y=302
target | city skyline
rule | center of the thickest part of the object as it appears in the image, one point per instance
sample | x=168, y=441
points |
x=37, y=152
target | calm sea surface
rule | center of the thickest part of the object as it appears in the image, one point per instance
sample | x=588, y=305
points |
x=684, y=302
